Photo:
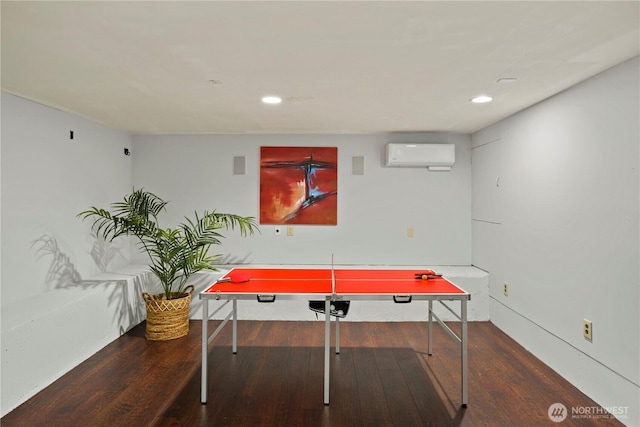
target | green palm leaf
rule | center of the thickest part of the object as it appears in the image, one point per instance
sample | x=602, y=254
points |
x=175, y=254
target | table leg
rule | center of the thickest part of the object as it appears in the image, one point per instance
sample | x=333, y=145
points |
x=430, y=327
x=337, y=335
x=463, y=344
x=327, y=348
x=234, y=348
x=205, y=348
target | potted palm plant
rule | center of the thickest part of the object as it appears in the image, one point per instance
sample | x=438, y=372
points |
x=175, y=254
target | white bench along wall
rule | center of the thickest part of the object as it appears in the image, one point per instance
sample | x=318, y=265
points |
x=48, y=335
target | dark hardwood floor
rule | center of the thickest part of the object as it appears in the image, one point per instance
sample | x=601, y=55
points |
x=382, y=377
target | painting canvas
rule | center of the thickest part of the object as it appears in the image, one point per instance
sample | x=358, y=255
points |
x=298, y=185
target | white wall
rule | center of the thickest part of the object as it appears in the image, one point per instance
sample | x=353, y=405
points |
x=55, y=311
x=374, y=211
x=555, y=214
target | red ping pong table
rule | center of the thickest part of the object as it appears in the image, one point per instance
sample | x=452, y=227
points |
x=328, y=284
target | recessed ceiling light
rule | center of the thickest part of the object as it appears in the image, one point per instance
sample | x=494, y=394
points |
x=481, y=99
x=271, y=99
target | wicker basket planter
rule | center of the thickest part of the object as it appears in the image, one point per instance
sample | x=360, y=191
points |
x=167, y=319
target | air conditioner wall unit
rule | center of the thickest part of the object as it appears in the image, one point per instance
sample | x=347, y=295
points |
x=436, y=157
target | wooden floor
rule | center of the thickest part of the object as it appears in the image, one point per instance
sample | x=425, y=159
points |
x=382, y=377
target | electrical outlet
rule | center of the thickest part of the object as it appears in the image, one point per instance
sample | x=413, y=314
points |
x=289, y=231
x=506, y=289
x=587, y=330
x=278, y=231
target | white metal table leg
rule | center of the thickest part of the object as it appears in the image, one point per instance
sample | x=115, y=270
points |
x=337, y=335
x=234, y=347
x=463, y=344
x=430, y=327
x=327, y=347
x=205, y=348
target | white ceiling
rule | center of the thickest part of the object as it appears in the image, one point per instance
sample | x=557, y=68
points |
x=151, y=67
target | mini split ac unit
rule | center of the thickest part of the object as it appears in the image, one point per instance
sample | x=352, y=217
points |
x=435, y=157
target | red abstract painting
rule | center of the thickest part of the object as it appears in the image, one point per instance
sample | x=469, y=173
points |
x=298, y=185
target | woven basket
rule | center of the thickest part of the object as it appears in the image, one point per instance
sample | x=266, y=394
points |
x=167, y=319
